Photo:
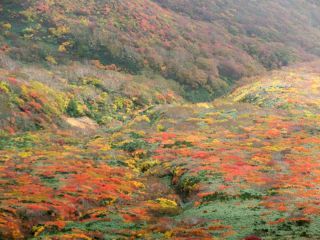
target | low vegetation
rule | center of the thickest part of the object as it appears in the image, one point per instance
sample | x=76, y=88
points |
x=232, y=169
x=112, y=123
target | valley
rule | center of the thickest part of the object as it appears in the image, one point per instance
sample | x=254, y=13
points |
x=159, y=120
x=245, y=165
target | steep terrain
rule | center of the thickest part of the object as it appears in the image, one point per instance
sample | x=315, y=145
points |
x=204, y=45
x=99, y=138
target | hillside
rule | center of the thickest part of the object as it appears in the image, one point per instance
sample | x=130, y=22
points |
x=157, y=119
x=243, y=167
x=205, y=48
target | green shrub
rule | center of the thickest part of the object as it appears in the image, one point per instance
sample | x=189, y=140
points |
x=187, y=184
x=134, y=145
x=74, y=109
x=198, y=95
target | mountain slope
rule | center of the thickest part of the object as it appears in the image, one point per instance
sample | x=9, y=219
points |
x=293, y=23
x=206, y=50
x=97, y=140
x=243, y=167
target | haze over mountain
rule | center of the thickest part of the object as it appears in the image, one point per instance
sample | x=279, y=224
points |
x=204, y=45
x=159, y=119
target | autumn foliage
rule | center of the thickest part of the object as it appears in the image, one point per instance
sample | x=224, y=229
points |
x=99, y=138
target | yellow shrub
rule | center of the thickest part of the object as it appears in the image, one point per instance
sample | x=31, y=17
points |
x=164, y=206
x=4, y=87
x=6, y=26
x=59, y=31
x=51, y=60
x=84, y=21
x=63, y=46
